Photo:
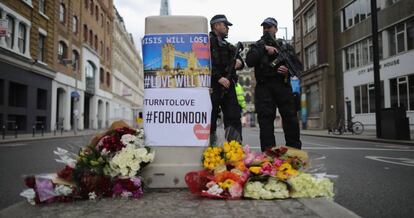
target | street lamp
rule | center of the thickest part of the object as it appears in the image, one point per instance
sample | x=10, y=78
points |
x=286, y=31
x=74, y=94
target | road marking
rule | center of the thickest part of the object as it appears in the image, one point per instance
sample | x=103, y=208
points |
x=393, y=160
x=12, y=145
x=361, y=149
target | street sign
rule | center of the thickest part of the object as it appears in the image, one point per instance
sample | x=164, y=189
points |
x=4, y=23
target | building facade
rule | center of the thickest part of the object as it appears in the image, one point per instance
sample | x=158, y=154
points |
x=353, y=51
x=26, y=65
x=83, y=84
x=128, y=75
x=313, y=43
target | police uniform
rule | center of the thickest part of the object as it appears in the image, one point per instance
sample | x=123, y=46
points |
x=272, y=91
x=224, y=99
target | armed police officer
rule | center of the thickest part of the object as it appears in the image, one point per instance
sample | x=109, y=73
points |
x=274, y=61
x=223, y=79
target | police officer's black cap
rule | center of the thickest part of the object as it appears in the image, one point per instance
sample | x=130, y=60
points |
x=270, y=21
x=220, y=18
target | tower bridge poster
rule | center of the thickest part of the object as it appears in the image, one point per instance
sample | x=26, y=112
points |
x=177, y=104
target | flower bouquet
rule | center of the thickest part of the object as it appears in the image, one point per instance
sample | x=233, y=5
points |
x=109, y=166
x=224, y=173
x=278, y=174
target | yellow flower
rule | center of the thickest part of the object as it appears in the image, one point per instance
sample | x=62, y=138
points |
x=226, y=184
x=94, y=163
x=255, y=170
x=285, y=171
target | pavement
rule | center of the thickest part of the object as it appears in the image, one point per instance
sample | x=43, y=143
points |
x=11, y=138
x=180, y=203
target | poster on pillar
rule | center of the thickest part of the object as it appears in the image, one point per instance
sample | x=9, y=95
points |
x=177, y=105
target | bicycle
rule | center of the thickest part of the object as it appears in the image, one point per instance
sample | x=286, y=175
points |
x=341, y=127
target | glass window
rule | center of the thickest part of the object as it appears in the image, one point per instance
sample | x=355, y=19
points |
x=75, y=24
x=357, y=93
x=41, y=99
x=42, y=6
x=411, y=91
x=75, y=59
x=394, y=92
x=391, y=41
x=403, y=92
x=62, y=50
x=410, y=34
x=10, y=32
x=62, y=13
x=1, y=94
x=101, y=76
x=96, y=13
x=364, y=98
x=311, y=56
x=91, y=6
x=90, y=70
x=108, y=79
x=41, y=48
x=17, y=95
x=310, y=19
x=21, y=40
x=85, y=33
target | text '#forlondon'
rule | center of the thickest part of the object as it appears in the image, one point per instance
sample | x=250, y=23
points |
x=176, y=117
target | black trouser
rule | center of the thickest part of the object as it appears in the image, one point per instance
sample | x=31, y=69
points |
x=269, y=94
x=225, y=99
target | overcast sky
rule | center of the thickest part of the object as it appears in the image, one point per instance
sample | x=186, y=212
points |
x=245, y=15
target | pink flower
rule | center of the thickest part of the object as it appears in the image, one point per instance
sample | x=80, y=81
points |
x=236, y=190
x=277, y=162
x=267, y=169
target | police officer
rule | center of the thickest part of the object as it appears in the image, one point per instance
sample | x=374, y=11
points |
x=223, y=95
x=272, y=90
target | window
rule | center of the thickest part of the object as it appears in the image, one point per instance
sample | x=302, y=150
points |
x=107, y=53
x=311, y=56
x=62, y=50
x=90, y=70
x=1, y=93
x=102, y=48
x=75, y=59
x=310, y=20
x=356, y=12
x=96, y=13
x=75, y=24
x=361, y=53
x=86, y=3
x=41, y=48
x=101, y=76
x=108, y=79
x=396, y=39
x=90, y=38
x=18, y=121
x=21, y=39
x=365, y=98
x=62, y=13
x=96, y=42
x=17, y=95
x=10, y=32
x=108, y=27
x=85, y=33
x=298, y=28
x=410, y=34
x=42, y=6
x=102, y=20
x=402, y=92
x=41, y=99
x=91, y=6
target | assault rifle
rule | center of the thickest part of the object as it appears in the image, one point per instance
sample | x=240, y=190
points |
x=285, y=56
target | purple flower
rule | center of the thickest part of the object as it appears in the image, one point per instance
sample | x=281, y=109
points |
x=136, y=181
x=138, y=193
x=117, y=189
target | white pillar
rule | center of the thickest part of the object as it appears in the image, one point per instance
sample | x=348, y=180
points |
x=94, y=112
x=27, y=42
x=53, y=117
x=66, y=109
x=81, y=110
x=16, y=31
